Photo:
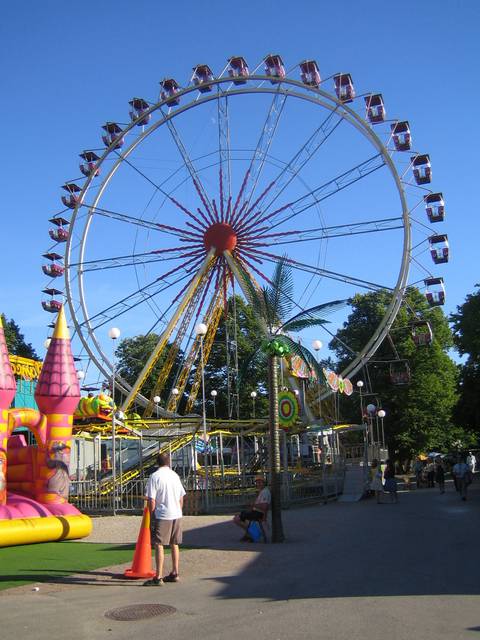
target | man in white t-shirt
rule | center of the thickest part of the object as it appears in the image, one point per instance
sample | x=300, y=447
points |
x=165, y=502
x=471, y=461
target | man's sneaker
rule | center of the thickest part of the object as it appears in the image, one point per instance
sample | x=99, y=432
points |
x=172, y=577
x=153, y=582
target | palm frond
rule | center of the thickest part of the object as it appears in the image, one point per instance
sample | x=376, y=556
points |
x=279, y=295
x=299, y=325
x=254, y=296
x=315, y=316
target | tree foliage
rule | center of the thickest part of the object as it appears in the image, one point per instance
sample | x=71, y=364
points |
x=16, y=341
x=419, y=414
x=133, y=353
x=466, y=333
x=240, y=330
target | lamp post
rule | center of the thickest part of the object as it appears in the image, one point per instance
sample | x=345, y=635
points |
x=371, y=408
x=80, y=374
x=175, y=394
x=317, y=345
x=214, y=394
x=156, y=400
x=114, y=334
x=360, y=387
x=381, y=414
x=200, y=331
x=253, y=395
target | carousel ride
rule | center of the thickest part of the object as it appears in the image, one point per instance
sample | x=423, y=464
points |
x=226, y=175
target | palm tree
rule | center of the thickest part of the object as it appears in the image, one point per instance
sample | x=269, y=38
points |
x=274, y=304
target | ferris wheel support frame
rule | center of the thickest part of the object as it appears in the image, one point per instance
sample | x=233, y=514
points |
x=310, y=94
x=167, y=331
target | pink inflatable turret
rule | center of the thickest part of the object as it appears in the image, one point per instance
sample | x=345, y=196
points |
x=8, y=387
x=57, y=395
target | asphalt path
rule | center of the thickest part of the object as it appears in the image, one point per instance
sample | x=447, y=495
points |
x=365, y=571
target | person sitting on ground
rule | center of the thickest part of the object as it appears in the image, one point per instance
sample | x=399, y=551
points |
x=258, y=510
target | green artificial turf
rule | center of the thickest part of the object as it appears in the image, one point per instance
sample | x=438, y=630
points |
x=52, y=561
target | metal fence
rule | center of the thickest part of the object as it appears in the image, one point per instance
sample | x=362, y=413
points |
x=230, y=494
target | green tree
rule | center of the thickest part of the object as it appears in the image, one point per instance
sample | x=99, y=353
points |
x=16, y=341
x=419, y=414
x=133, y=353
x=243, y=331
x=467, y=340
x=273, y=305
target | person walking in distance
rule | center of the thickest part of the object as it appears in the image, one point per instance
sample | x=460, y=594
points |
x=471, y=461
x=165, y=502
x=462, y=475
x=440, y=474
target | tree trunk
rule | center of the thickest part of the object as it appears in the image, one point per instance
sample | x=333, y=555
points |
x=275, y=471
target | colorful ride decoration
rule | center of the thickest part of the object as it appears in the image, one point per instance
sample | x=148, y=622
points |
x=337, y=383
x=300, y=369
x=34, y=480
x=100, y=407
x=288, y=409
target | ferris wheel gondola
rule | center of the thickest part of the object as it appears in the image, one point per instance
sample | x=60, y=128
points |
x=173, y=222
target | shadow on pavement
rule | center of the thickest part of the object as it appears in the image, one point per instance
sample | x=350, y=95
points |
x=425, y=545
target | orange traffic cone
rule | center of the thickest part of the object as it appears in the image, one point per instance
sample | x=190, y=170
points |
x=142, y=558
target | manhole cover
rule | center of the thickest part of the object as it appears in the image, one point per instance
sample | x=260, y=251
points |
x=140, y=611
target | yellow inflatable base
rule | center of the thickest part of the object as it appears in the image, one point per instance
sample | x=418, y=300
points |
x=47, y=529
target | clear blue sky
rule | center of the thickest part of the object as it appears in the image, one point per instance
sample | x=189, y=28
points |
x=69, y=67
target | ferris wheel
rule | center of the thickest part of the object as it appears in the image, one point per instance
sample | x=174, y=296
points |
x=233, y=172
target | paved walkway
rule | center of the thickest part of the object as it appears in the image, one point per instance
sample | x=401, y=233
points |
x=356, y=571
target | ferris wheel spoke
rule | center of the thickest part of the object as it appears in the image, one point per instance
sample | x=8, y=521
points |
x=319, y=233
x=196, y=258
x=210, y=275
x=187, y=294
x=260, y=154
x=248, y=263
x=240, y=219
x=324, y=191
x=163, y=192
x=191, y=170
x=148, y=257
x=306, y=152
x=225, y=185
x=147, y=224
x=333, y=275
x=131, y=301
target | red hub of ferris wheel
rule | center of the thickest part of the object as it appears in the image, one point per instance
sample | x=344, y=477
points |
x=220, y=236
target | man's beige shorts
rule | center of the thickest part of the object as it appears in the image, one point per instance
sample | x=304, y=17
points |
x=166, y=531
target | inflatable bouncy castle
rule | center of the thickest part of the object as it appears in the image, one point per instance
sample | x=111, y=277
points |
x=34, y=480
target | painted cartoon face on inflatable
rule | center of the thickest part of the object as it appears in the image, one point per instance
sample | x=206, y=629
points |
x=59, y=452
x=58, y=459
